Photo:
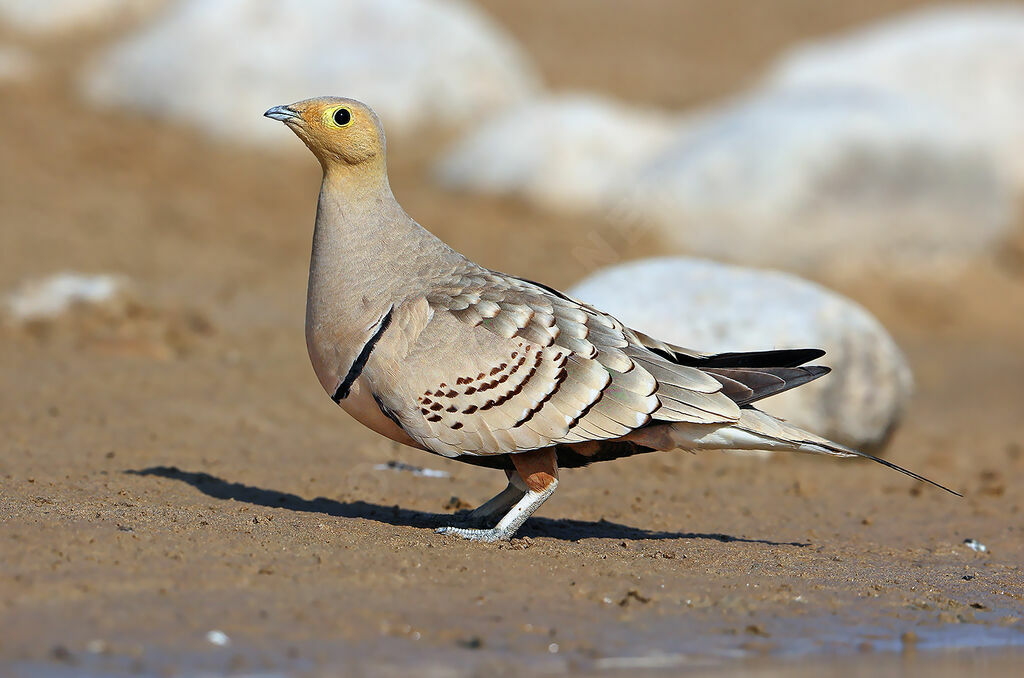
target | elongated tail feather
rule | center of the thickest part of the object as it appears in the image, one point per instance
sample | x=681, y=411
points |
x=761, y=424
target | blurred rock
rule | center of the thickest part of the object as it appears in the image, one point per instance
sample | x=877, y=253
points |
x=422, y=64
x=62, y=16
x=968, y=60
x=15, y=65
x=49, y=297
x=808, y=179
x=712, y=307
x=102, y=313
x=820, y=178
x=568, y=153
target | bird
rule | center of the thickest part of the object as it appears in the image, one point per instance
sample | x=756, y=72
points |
x=427, y=348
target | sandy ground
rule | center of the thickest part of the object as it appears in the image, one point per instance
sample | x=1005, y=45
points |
x=172, y=467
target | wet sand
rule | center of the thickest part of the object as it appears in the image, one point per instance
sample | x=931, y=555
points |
x=173, y=467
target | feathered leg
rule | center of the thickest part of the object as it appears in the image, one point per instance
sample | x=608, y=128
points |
x=499, y=504
x=538, y=472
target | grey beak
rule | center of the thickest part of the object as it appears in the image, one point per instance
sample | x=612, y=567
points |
x=282, y=113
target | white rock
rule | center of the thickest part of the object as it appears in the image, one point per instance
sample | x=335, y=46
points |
x=567, y=153
x=713, y=307
x=968, y=60
x=817, y=178
x=425, y=65
x=218, y=638
x=15, y=64
x=60, y=16
x=805, y=179
x=49, y=297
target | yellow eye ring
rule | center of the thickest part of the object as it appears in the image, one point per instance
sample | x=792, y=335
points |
x=340, y=117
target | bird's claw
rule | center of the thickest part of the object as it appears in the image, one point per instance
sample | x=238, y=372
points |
x=491, y=535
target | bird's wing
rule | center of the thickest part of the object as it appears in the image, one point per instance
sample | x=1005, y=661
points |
x=505, y=365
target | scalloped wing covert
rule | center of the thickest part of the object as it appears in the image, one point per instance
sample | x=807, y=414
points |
x=530, y=368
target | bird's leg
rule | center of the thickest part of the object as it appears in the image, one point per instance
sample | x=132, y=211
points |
x=499, y=504
x=538, y=471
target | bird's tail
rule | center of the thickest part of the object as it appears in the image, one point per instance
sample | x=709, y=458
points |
x=755, y=430
x=778, y=434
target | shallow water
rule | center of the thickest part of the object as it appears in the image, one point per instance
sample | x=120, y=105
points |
x=937, y=650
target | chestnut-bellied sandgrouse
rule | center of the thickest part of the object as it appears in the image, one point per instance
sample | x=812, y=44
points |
x=425, y=347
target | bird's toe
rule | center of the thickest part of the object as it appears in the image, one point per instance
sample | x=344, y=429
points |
x=491, y=535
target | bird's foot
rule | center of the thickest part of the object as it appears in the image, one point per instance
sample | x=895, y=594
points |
x=491, y=535
x=493, y=510
x=512, y=521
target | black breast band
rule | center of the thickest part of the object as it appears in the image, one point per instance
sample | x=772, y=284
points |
x=360, y=362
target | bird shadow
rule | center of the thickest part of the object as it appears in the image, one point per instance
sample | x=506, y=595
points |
x=563, y=529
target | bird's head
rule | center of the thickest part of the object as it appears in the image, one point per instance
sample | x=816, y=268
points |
x=339, y=132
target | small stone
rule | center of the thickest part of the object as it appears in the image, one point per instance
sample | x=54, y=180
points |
x=631, y=595
x=61, y=654
x=975, y=545
x=455, y=504
x=218, y=638
x=472, y=643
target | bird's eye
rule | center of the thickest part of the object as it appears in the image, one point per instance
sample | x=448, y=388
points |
x=342, y=117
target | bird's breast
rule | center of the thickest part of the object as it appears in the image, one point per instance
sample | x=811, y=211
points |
x=361, y=406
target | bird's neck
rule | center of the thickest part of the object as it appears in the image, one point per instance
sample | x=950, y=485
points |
x=362, y=234
x=356, y=217
x=365, y=249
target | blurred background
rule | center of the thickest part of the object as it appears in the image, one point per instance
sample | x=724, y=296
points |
x=724, y=175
